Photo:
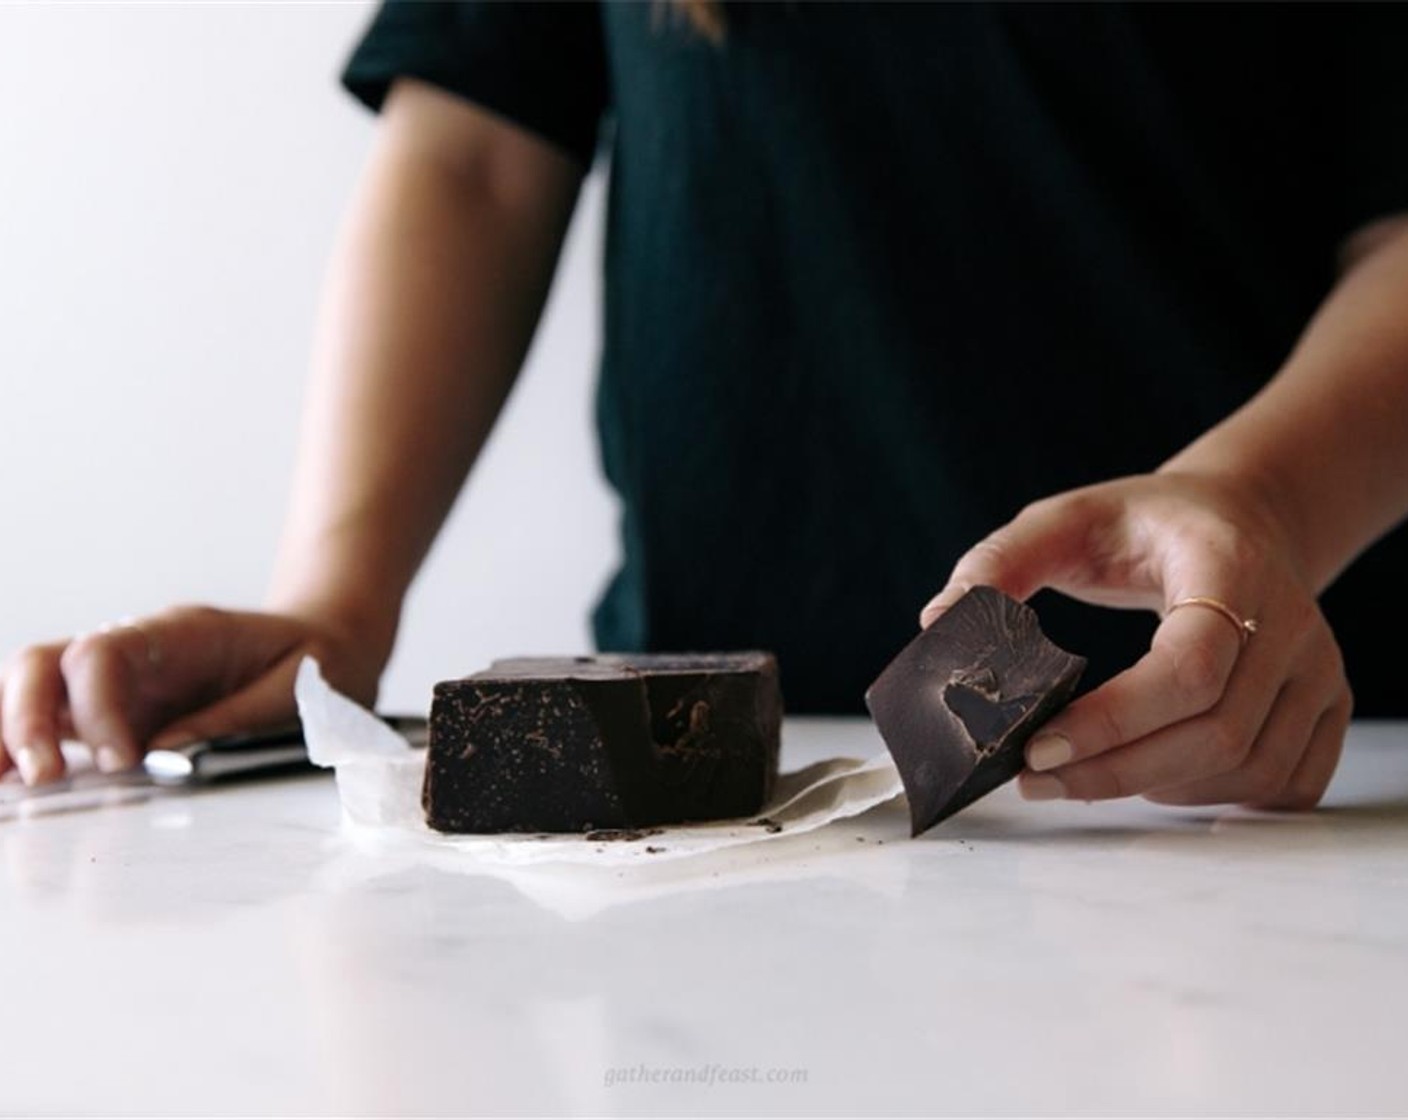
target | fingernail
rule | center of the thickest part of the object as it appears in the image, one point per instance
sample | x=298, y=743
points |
x=1041, y=787
x=110, y=760
x=27, y=763
x=1048, y=751
x=940, y=603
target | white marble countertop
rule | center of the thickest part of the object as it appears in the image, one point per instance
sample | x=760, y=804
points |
x=232, y=952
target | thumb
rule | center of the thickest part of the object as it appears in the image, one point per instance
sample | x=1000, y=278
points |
x=1031, y=551
x=263, y=703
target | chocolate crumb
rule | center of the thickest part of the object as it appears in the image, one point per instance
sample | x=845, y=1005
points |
x=652, y=849
x=623, y=833
x=769, y=824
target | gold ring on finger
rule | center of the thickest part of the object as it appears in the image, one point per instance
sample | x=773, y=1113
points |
x=1246, y=627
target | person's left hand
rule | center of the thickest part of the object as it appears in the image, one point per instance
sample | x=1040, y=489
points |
x=1203, y=717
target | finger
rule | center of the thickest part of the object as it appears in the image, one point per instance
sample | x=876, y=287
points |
x=30, y=713
x=1212, y=743
x=1184, y=675
x=1266, y=767
x=1278, y=751
x=1034, y=549
x=98, y=670
x=1311, y=778
x=126, y=679
x=266, y=702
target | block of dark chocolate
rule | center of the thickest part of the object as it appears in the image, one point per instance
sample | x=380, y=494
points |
x=610, y=741
x=958, y=704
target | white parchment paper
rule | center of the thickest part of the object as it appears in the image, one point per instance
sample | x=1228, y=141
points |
x=379, y=778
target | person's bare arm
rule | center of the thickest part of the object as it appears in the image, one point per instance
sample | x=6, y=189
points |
x=445, y=259
x=1326, y=442
x=432, y=299
x=1261, y=512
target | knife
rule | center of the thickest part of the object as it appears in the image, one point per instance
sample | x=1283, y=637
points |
x=253, y=753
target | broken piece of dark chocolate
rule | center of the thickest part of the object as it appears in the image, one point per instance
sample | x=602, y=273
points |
x=958, y=704
x=602, y=743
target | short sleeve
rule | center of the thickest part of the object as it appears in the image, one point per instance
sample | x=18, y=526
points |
x=541, y=65
x=1374, y=117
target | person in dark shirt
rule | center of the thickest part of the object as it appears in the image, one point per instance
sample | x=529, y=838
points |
x=1118, y=293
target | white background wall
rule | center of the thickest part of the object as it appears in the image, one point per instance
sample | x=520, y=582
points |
x=171, y=178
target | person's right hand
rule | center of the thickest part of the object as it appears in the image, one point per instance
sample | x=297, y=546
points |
x=184, y=674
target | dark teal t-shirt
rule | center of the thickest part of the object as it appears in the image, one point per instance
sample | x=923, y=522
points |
x=878, y=275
